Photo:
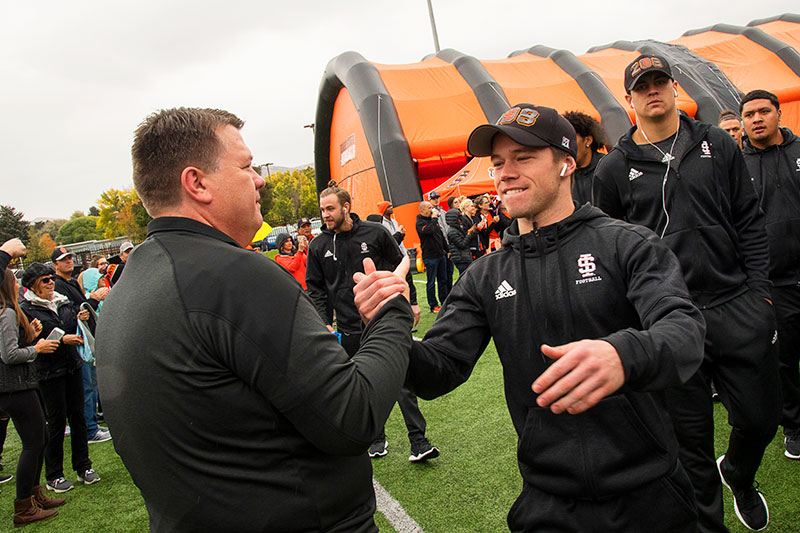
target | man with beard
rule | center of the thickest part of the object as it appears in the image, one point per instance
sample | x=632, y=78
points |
x=333, y=258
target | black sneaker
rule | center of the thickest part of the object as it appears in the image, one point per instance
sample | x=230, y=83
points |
x=749, y=504
x=422, y=450
x=4, y=479
x=378, y=448
x=792, y=444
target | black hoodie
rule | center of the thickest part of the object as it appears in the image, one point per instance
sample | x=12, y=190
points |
x=333, y=258
x=585, y=277
x=776, y=175
x=583, y=179
x=715, y=226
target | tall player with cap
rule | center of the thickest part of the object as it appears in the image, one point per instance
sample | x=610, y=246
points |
x=687, y=181
x=590, y=316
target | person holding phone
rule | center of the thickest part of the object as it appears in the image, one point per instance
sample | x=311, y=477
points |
x=60, y=377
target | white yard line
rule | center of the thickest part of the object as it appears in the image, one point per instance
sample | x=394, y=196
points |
x=393, y=511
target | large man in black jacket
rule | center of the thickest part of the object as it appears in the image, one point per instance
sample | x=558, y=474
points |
x=687, y=181
x=772, y=154
x=232, y=406
x=591, y=319
x=334, y=257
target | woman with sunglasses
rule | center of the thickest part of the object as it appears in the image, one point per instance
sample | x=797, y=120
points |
x=19, y=398
x=60, y=378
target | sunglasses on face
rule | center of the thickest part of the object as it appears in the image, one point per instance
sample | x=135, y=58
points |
x=48, y=279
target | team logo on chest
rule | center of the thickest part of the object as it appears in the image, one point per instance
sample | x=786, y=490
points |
x=587, y=269
x=705, y=148
x=364, y=248
x=798, y=165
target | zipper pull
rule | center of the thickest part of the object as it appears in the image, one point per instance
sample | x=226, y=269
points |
x=536, y=229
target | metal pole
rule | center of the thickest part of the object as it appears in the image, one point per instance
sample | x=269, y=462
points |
x=433, y=27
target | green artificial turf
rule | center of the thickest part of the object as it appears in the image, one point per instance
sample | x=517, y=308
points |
x=469, y=488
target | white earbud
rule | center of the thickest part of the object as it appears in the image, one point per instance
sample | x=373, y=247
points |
x=632, y=106
x=563, y=170
x=675, y=92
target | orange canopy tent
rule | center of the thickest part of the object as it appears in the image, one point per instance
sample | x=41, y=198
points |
x=475, y=178
x=394, y=132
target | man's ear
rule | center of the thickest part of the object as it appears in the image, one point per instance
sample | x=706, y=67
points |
x=194, y=186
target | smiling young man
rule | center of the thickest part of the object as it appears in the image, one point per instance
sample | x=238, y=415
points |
x=591, y=318
x=772, y=154
x=232, y=406
x=687, y=181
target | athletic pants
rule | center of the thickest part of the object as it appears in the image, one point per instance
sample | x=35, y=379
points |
x=741, y=358
x=663, y=505
x=787, y=310
x=25, y=409
x=63, y=400
x=415, y=422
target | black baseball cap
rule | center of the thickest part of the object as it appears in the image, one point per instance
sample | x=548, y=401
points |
x=59, y=253
x=644, y=64
x=303, y=221
x=529, y=125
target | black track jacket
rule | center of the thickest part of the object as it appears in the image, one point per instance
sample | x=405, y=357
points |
x=586, y=277
x=715, y=225
x=333, y=258
x=232, y=406
x=776, y=175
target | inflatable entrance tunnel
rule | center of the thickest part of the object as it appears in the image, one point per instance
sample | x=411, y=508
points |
x=394, y=132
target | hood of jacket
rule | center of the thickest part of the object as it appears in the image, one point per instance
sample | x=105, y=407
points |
x=788, y=138
x=551, y=234
x=697, y=130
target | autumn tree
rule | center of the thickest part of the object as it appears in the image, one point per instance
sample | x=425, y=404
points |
x=294, y=195
x=12, y=225
x=122, y=213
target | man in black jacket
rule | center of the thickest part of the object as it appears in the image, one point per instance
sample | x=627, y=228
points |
x=772, y=154
x=688, y=182
x=590, y=137
x=232, y=406
x=334, y=257
x=591, y=319
x=434, y=253
x=64, y=265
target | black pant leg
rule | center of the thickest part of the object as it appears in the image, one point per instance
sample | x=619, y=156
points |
x=415, y=422
x=52, y=392
x=77, y=422
x=692, y=413
x=26, y=411
x=787, y=311
x=742, y=336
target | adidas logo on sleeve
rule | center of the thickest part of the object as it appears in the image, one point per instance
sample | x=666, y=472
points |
x=504, y=290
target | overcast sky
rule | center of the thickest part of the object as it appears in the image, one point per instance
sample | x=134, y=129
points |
x=78, y=76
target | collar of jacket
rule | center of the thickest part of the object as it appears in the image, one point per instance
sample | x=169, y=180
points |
x=697, y=130
x=788, y=138
x=547, y=237
x=53, y=305
x=163, y=224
